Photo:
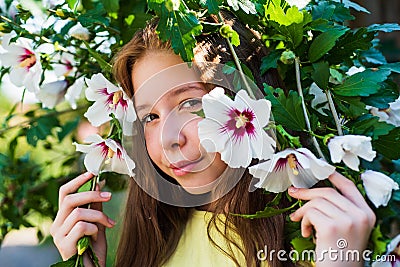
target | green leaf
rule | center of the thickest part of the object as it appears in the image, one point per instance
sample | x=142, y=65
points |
x=68, y=263
x=321, y=74
x=373, y=56
x=68, y=128
x=351, y=106
x=331, y=11
x=301, y=244
x=180, y=27
x=286, y=110
x=388, y=94
x=40, y=129
x=83, y=244
x=275, y=12
x=103, y=64
x=111, y=5
x=348, y=3
x=212, y=5
x=323, y=43
x=270, y=61
x=94, y=16
x=71, y=3
x=386, y=27
x=393, y=67
x=370, y=125
x=378, y=241
x=389, y=145
x=363, y=83
x=350, y=43
x=267, y=212
x=86, y=186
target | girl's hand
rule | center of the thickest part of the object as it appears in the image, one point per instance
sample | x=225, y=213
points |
x=341, y=218
x=73, y=222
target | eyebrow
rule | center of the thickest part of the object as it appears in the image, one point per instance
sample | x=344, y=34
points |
x=172, y=93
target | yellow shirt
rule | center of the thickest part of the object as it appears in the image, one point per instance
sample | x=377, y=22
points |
x=194, y=246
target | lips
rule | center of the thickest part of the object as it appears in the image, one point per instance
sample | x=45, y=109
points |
x=183, y=167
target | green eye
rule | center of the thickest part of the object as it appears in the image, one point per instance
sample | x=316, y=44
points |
x=191, y=104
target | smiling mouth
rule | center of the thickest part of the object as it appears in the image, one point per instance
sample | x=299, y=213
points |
x=183, y=167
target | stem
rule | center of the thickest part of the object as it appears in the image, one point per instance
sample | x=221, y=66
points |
x=237, y=62
x=303, y=105
x=334, y=112
x=77, y=261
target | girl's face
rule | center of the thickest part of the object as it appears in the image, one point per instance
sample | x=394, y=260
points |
x=166, y=94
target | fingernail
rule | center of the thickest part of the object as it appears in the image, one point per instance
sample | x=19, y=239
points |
x=293, y=189
x=111, y=221
x=105, y=194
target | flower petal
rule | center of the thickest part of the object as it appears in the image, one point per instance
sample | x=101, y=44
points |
x=97, y=114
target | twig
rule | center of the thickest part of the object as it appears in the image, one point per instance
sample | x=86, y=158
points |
x=303, y=104
x=334, y=112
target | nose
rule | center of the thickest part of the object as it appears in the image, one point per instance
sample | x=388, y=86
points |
x=172, y=132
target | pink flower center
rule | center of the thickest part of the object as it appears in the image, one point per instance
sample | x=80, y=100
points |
x=107, y=152
x=27, y=60
x=240, y=123
x=291, y=160
x=114, y=99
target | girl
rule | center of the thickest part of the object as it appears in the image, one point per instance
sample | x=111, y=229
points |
x=180, y=203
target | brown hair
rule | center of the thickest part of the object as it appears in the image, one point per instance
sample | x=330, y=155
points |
x=151, y=228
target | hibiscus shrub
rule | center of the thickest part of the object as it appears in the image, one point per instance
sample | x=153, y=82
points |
x=340, y=107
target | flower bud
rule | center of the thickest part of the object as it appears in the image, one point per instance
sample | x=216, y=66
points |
x=226, y=31
x=287, y=57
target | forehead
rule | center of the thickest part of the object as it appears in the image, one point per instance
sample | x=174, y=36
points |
x=158, y=73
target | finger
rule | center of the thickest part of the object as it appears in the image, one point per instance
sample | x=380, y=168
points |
x=78, y=199
x=328, y=208
x=312, y=219
x=72, y=186
x=327, y=193
x=87, y=215
x=348, y=189
x=80, y=230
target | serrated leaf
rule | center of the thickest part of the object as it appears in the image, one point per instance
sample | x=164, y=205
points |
x=321, y=74
x=180, y=27
x=373, y=56
x=270, y=61
x=68, y=263
x=386, y=27
x=348, y=3
x=370, y=125
x=274, y=12
x=389, y=145
x=266, y=213
x=350, y=43
x=286, y=110
x=351, y=106
x=393, y=67
x=212, y=5
x=362, y=84
x=94, y=16
x=323, y=43
x=384, y=96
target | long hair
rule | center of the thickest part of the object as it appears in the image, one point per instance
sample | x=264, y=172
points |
x=151, y=228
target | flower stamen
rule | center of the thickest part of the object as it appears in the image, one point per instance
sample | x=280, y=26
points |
x=241, y=121
x=292, y=161
x=116, y=97
x=110, y=154
x=28, y=61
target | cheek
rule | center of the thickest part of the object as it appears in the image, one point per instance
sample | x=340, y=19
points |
x=152, y=146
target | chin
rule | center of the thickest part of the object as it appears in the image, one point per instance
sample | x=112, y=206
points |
x=201, y=189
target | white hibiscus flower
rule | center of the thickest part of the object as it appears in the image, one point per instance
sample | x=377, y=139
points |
x=52, y=93
x=79, y=32
x=378, y=187
x=349, y=147
x=297, y=167
x=234, y=128
x=299, y=3
x=392, y=249
x=390, y=115
x=246, y=5
x=105, y=155
x=108, y=99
